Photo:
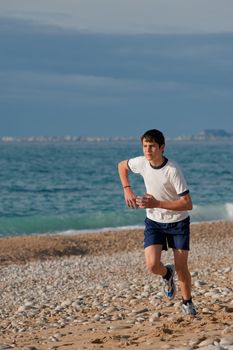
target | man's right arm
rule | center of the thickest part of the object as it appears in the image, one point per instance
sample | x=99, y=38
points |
x=130, y=197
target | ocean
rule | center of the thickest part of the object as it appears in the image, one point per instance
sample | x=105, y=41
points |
x=65, y=187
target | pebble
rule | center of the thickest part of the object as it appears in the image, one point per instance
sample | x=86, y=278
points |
x=212, y=347
x=199, y=283
x=227, y=329
x=207, y=310
x=228, y=340
x=104, y=291
x=205, y=342
x=154, y=317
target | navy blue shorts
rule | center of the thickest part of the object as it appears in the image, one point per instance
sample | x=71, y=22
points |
x=173, y=235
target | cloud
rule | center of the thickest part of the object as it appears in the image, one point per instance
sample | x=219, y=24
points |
x=50, y=73
x=127, y=16
x=36, y=86
x=44, y=62
x=185, y=59
x=64, y=88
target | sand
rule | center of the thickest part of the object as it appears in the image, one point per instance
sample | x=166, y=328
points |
x=106, y=297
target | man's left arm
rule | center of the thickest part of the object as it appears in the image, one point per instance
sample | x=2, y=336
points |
x=181, y=204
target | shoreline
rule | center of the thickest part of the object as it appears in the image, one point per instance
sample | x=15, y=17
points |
x=74, y=232
x=92, y=292
x=26, y=248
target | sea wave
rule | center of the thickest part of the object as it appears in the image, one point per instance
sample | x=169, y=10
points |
x=35, y=224
x=101, y=221
x=212, y=212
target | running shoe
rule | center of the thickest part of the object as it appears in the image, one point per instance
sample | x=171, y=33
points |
x=189, y=309
x=169, y=287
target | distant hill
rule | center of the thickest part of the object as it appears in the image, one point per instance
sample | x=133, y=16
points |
x=215, y=133
x=208, y=135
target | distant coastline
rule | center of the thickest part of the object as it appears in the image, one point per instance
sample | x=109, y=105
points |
x=205, y=135
x=208, y=135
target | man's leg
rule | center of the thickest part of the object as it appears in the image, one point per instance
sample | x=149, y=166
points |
x=154, y=265
x=152, y=258
x=181, y=265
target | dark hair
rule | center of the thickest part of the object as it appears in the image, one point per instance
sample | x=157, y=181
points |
x=154, y=135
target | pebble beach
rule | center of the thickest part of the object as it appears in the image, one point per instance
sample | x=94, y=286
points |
x=92, y=291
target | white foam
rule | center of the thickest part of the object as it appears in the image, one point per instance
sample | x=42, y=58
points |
x=229, y=210
x=98, y=230
x=212, y=212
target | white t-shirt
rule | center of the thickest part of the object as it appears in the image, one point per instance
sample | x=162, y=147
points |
x=165, y=183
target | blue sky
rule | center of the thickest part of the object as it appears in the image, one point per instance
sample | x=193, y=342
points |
x=115, y=68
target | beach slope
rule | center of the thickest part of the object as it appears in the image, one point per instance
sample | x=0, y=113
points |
x=92, y=291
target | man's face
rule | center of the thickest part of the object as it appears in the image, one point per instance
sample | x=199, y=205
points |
x=152, y=151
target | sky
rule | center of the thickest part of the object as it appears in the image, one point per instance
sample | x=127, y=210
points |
x=115, y=68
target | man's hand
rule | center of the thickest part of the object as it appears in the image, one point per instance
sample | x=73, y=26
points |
x=147, y=201
x=130, y=198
